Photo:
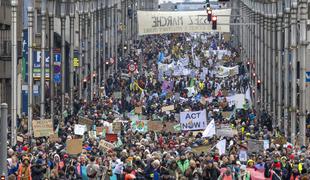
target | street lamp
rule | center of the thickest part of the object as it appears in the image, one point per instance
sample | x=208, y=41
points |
x=51, y=5
x=63, y=33
x=43, y=47
x=71, y=14
x=80, y=12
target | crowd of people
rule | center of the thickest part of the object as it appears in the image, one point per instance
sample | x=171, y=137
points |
x=192, y=72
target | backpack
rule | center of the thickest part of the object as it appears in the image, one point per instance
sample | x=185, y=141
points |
x=91, y=171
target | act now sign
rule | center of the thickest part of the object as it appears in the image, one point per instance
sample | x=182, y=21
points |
x=194, y=120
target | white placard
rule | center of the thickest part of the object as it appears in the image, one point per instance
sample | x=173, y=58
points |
x=79, y=129
x=194, y=120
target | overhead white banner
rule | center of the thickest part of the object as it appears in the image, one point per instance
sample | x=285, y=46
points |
x=227, y=71
x=161, y=22
x=194, y=120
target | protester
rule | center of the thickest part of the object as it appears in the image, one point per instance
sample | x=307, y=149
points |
x=199, y=73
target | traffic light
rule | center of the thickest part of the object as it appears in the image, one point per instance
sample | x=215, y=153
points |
x=2, y=178
x=209, y=15
x=208, y=3
x=258, y=84
x=214, y=22
x=85, y=83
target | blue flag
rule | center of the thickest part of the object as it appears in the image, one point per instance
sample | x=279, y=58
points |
x=161, y=57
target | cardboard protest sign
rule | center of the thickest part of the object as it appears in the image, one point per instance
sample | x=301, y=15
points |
x=195, y=120
x=85, y=121
x=79, y=129
x=171, y=127
x=74, y=146
x=54, y=138
x=255, y=145
x=19, y=139
x=243, y=156
x=200, y=149
x=111, y=137
x=117, y=95
x=167, y=108
x=42, y=128
x=105, y=145
x=140, y=126
x=226, y=114
x=92, y=134
x=280, y=140
x=99, y=130
x=203, y=100
x=266, y=144
x=117, y=127
x=156, y=126
x=138, y=110
x=226, y=132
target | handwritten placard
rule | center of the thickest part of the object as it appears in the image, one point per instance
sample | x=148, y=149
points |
x=167, y=108
x=74, y=146
x=138, y=110
x=85, y=121
x=156, y=126
x=42, y=128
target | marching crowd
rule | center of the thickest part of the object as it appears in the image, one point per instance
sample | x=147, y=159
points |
x=188, y=71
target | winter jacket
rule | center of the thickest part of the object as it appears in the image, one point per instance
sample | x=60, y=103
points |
x=37, y=172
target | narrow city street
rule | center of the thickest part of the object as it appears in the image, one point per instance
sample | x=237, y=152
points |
x=154, y=90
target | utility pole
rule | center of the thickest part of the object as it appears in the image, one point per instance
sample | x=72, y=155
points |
x=112, y=38
x=86, y=17
x=293, y=68
x=14, y=4
x=30, y=66
x=81, y=53
x=104, y=39
x=265, y=55
x=63, y=54
x=279, y=61
x=303, y=57
x=71, y=67
x=261, y=36
x=95, y=44
x=268, y=58
x=123, y=16
x=286, y=66
x=43, y=48
x=273, y=61
x=51, y=13
x=116, y=24
x=108, y=23
x=92, y=50
x=257, y=59
x=3, y=139
x=99, y=65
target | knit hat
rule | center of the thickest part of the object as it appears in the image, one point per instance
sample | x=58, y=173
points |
x=292, y=156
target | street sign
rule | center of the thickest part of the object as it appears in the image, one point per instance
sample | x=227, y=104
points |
x=76, y=62
x=57, y=78
x=132, y=67
x=57, y=69
x=57, y=57
x=308, y=76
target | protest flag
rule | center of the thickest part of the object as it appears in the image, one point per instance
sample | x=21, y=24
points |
x=221, y=146
x=210, y=130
